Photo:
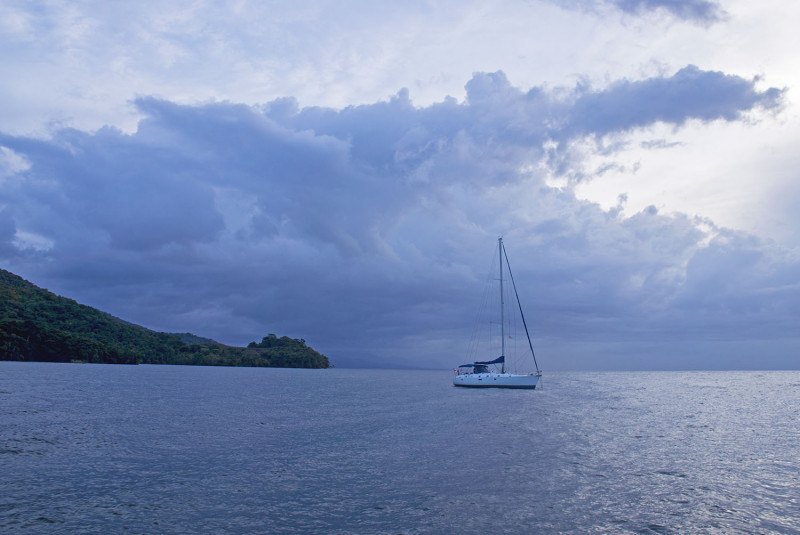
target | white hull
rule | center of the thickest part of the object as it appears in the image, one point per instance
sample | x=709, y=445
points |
x=496, y=380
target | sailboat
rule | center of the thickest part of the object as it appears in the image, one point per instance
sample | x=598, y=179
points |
x=482, y=374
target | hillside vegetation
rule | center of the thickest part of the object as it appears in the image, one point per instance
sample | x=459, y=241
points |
x=37, y=325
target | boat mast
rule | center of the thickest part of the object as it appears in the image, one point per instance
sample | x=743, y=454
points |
x=502, y=307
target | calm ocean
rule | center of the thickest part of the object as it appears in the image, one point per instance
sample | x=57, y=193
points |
x=167, y=449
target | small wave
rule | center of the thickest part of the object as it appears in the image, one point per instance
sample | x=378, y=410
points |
x=670, y=473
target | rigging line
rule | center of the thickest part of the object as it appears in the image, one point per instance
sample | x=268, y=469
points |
x=481, y=325
x=521, y=315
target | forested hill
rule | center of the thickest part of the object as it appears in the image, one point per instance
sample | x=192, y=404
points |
x=37, y=325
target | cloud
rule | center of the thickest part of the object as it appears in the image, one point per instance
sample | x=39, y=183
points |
x=365, y=230
x=738, y=279
x=691, y=93
x=702, y=11
x=7, y=234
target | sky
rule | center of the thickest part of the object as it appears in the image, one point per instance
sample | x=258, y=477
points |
x=340, y=172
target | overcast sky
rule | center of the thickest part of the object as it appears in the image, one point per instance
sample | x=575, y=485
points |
x=341, y=171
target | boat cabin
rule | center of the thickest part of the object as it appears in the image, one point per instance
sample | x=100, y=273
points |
x=476, y=368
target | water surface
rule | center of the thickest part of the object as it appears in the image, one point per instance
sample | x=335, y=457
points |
x=170, y=449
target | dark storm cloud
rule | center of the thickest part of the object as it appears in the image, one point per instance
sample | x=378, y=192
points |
x=138, y=195
x=365, y=230
x=7, y=232
x=690, y=94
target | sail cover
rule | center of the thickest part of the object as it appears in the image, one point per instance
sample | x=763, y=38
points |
x=498, y=360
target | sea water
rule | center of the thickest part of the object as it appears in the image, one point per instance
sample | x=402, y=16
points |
x=168, y=449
